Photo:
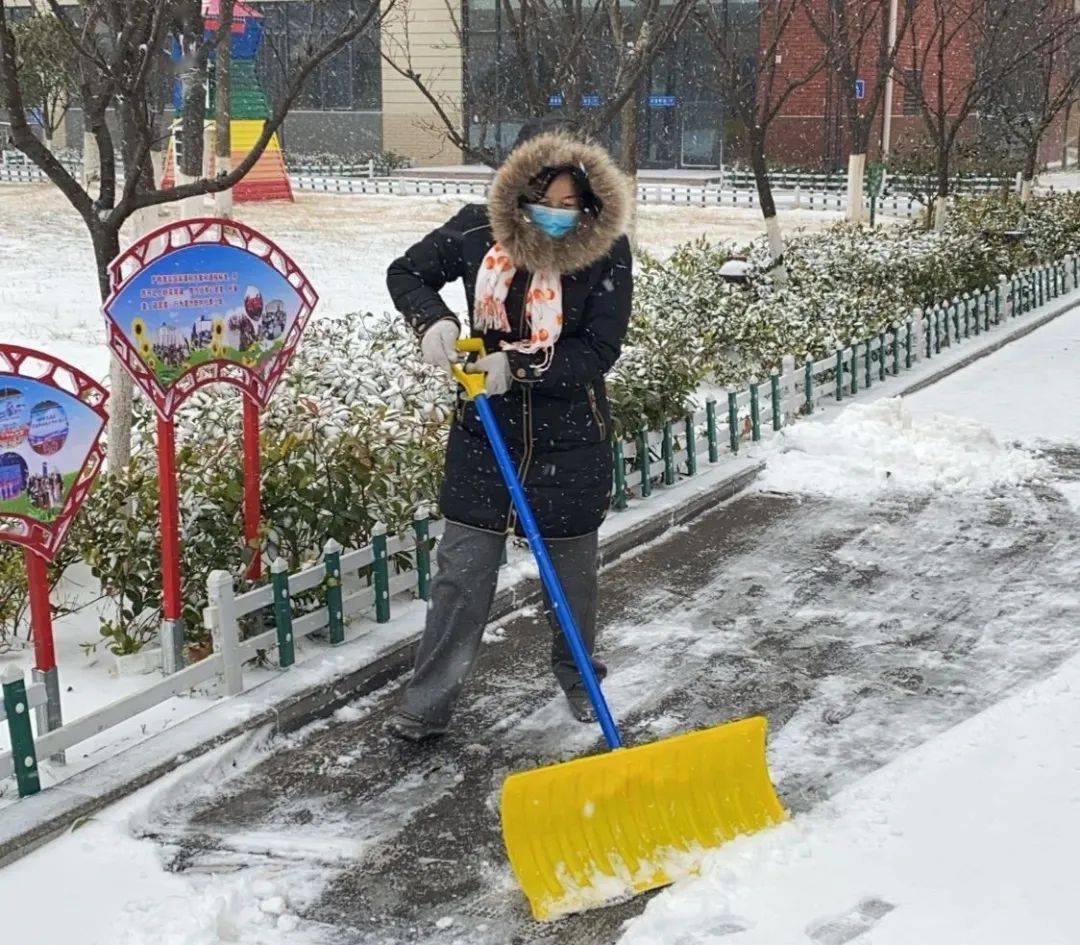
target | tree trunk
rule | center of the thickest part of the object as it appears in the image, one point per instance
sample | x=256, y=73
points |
x=628, y=157
x=91, y=174
x=121, y=390
x=856, y=175
x=1065, y=136
x=1031, y=160
x=941, y=200
x=628, y=138
x=223, y=200
x=193, y=106
x=768, y=205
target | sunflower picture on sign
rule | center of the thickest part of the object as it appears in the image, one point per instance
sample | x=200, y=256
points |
x=206, y=303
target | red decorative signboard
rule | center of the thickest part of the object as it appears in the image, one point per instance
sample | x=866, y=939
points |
x=199, y=302
x=51, y=420
x=206, y=301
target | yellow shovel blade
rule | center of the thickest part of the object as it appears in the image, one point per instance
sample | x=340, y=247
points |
x=586, y=832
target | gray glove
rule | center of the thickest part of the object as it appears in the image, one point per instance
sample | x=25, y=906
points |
x=437, y=344
x=496, y=370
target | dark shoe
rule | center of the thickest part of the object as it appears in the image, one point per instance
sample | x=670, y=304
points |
x=411, y=729
x=581, y=706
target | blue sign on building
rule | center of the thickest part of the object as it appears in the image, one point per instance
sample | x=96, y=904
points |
x=860, y=89
x=590, y=101
x=556, y=100
x=662, y=101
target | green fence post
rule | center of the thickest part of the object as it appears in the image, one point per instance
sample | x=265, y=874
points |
x=620, y=474
x=854, y=368
x=644, y=465
x=335, y=612
x=710, y=429
x=866, y=364
x=381, y=568
x=691, y=446
x=937, y=330
x=967, y=317
x=755, y=412
x=421, y=532
x=1040, y=285
x=776, y=401
x=881, y=356
x=667, y=448
x=733, y=420
x=808, y=383
x=23, y=752
x=999, y=291
x=896, y=349
x=279, y=578
x=1076, y=270
x=979, y=308
x=839, y=375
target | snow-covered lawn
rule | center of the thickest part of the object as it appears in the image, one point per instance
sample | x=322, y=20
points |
x=48, y=290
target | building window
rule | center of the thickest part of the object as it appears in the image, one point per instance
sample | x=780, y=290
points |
x=912, y=91
x=348, y=81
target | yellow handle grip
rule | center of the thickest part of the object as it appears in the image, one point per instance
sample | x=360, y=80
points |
x=473, y=383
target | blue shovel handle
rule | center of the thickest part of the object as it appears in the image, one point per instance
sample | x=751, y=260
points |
x=474, y=391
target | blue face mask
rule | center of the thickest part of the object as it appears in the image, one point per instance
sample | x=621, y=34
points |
x=556, y=222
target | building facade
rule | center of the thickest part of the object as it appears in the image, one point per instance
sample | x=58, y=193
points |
x=469, y=56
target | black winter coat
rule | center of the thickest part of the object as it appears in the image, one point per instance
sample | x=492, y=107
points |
x=557, y=424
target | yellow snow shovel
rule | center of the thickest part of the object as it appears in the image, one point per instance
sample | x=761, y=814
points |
x=589, y=831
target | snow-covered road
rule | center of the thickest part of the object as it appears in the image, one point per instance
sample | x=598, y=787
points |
x=866, y=615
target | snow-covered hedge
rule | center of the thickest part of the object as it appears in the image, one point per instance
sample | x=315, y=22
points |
x=844, y=284
x=355, y=434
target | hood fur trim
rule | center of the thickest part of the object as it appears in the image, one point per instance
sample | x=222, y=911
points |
x=529, y=247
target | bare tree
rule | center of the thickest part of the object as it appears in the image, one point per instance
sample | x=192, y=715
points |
x=560, y=49
x=862, y=41
x=1024, y=108
x=958, y=52
x=759, y=89
x=118, y=45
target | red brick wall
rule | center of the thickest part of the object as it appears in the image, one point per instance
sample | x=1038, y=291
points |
x=812, y=126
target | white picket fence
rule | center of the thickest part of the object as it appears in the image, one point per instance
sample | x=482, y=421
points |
x=675, y=454
x=896, y=205
x=695, y=195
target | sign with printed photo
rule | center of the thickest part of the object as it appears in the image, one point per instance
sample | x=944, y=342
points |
x=51, y=420
x=206, y=301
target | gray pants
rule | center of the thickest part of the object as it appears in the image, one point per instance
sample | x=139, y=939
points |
x=461, y=596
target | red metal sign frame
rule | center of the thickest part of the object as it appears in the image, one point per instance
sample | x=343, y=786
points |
x=45, y=539
x=205, y=231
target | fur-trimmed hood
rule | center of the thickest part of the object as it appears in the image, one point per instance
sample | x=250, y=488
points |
x=529, y=247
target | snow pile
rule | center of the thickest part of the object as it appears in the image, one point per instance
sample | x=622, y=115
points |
x=871, y=447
